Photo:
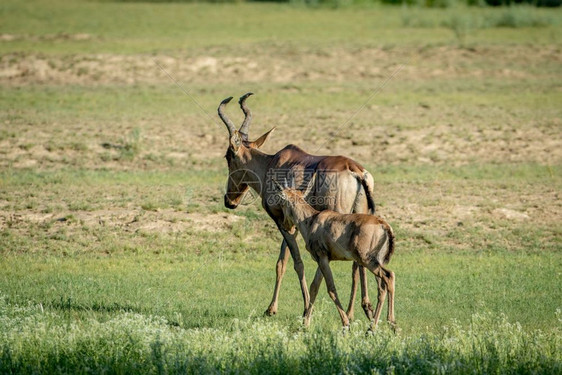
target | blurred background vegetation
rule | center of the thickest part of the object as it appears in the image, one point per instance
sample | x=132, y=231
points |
x=419, y=3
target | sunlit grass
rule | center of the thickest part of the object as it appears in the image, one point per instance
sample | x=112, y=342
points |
x=37, y=340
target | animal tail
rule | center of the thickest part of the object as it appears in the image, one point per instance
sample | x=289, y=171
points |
x=368, y=191
x=391, y=243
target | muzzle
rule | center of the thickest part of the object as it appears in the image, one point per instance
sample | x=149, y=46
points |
x=229, y=204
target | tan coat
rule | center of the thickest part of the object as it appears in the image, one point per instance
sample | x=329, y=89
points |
x=329, y=235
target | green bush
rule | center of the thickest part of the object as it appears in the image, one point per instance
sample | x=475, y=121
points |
x=539, y=3
x=517, y=16
x=422, y=3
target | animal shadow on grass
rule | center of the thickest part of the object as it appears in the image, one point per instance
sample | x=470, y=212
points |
x=69, y=305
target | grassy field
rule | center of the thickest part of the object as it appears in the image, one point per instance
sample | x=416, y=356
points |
x=117, y=254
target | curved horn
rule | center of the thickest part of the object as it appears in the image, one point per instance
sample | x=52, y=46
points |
x=247, y=113
x=226, y=120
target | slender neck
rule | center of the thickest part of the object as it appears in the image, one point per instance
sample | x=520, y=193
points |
x=302, y=212
x=257, y=162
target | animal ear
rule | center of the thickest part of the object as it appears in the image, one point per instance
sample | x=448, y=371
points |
x=261, y=140
x=235, y=141
x=279, y=190
x=277, y=185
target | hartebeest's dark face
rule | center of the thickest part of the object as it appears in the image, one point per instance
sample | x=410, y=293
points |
x=237, y=184
x=238, y=153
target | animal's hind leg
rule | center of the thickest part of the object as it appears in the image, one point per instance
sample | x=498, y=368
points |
x=359, y=272
x=354, y=282
x=280, y=269
x=390, y=285
x=381, y=289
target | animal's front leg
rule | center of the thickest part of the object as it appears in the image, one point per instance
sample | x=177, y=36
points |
x=298, y=265
x=313, y=293
x=324, y=265
x=354, y=281
x=280, y=269
x=365, y=302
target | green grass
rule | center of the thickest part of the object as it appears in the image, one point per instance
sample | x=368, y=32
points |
x=151, y=305
x=170, y=280
x=100, y=268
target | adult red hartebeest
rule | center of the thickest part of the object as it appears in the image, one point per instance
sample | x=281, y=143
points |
x=342, y=185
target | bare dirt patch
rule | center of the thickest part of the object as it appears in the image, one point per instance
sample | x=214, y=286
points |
x=281, y=64
x=187, y=143
x=410, y=133
x=161, y=221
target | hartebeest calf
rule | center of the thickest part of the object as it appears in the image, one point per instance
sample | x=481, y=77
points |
x=329, y=235
x=345, y=187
